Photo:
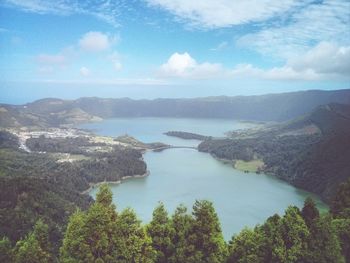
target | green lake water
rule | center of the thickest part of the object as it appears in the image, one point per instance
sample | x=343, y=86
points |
x=184, y=175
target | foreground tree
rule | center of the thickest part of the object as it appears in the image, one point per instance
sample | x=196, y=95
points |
x=323, y=243
x=92, y=236
x=340, y=206
x=310, y=212
x=100, y=235
x=274, y=247
x=284, y=239
x=342, y=228
x=34, y=247
x=74, y=247
x=246, y=247
x=295, y=234
x=206, y=237
x=182, y=224
x=161, y=232
x=133, y=244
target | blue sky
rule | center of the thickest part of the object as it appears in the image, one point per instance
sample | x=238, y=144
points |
x=171, y=48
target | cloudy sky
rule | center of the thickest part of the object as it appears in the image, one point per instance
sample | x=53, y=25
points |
x=171, y=48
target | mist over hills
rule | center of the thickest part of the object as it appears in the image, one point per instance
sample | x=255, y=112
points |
x=270, y=107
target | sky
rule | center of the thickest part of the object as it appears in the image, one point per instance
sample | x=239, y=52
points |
x=171, y=48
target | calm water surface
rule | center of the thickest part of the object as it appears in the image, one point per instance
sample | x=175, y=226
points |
x=184, y=175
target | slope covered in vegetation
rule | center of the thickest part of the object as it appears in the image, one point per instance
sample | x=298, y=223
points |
x=317, y=162
x=102, y=234
x=36, y=185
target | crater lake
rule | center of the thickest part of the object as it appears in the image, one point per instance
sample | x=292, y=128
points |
x=180, y=176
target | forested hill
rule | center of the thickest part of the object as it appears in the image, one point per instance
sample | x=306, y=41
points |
x=47, y=183
x=311, y=152
x=271, y=107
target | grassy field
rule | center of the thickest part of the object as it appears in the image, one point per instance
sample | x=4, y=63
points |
x=66, y=157
x=250, y=166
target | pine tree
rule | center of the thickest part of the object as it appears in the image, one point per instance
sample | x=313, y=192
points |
x=295, y=234
x=100, y=235
x=274, y=248
x=41, y=233
x=34, y=247
x=310, y=212
x=323, y=243
x=91, y=236
x=161, y=231
x=104, y=196
x=74, y=247
x=182, y=224
x=246, y=247
x=206, y=235
x=340, y=206
x=342, y=228
x=133, y=244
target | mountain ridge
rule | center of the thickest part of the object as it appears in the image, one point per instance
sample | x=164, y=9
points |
x=269, y=107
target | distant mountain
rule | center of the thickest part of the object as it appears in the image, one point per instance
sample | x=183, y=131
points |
x=271, y=107
x=324, y=119
x=311, y=152
x=44, y=113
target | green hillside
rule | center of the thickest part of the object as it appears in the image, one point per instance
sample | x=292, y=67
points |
x=317, y=162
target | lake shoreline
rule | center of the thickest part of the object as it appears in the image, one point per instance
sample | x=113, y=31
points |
x=95, y=185
x=182, y=176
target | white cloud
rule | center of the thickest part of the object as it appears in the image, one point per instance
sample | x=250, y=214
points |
x=224, y=13
x=91, y=42
x=324, y=58
x=276, y=73
x=326, y=61
x=184, y=66
x=321, y=21
x=105, y=10
x=84, y=71
x=96, y=41
x=178, y=64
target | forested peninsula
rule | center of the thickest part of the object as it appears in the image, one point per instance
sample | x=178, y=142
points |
x=311, y=152
x=187, y=135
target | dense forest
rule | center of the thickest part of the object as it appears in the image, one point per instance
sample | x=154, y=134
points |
x=102, y=234
x=63, y=145
x=317, y=162
x=35, y=185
